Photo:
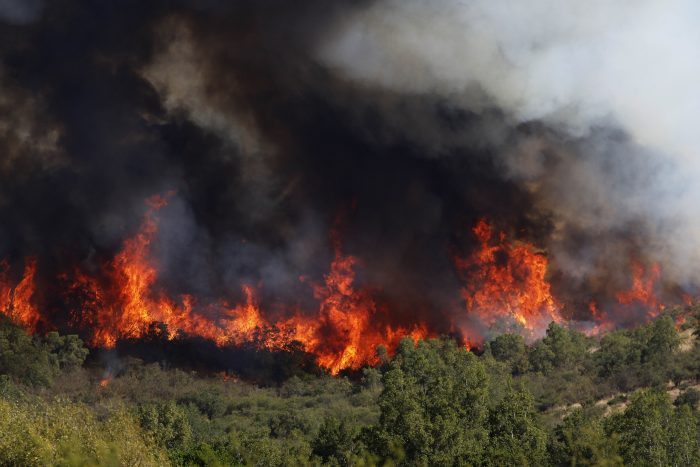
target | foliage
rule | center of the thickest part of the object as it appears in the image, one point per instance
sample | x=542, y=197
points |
x=515, y=436
x=35, y=432
x=334, y=443
x=581, y=440
x=36, y=361
x=510, y=349
x=563, y=400
x=651, y=432
x=433, y=406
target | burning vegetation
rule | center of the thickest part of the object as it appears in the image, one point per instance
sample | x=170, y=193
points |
x=473, y=208
x=505, y=284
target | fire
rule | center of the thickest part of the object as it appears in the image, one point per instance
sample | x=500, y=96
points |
x=347, y=328
x=601, y=318
x=16, y=302
x=243, y=321
x=346, y=311
x=349, y=315
x=641, y=292
x=134, y=305
x=126, y=308
x=344, y=332
x=507, y=281
x=639, y=297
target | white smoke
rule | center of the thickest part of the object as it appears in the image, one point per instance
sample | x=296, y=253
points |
x=576, y=66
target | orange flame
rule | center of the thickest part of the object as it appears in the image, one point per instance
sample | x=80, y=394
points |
x=639, y=296
x=507, y=281
x=343, y=333
x=242, y=321
x=16, y=302
x=349, y=317
x=504, y=281
x=641, y=291
x=347, y=330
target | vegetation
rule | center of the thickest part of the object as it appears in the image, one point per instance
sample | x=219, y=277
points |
x=626, y=398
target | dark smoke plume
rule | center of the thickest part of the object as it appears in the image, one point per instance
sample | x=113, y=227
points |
x=277, y=122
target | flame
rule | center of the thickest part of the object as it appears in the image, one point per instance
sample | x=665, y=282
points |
x=347, y=332
x=601, y=318
x=243, y=321
x=346, y=311
x=504, y=281
x=641, y=292
x=344, y=332
x=350, y=314
x=639, y=297
x=16, y=302
x=127, y=309
x=507, y=281
x=129, y=306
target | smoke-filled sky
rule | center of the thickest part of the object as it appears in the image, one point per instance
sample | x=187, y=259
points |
x=396, y=124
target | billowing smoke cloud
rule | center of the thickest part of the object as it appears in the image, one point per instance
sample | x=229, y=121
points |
x=615, y=84
x=395, y=124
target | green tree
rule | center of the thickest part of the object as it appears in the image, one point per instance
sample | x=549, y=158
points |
x=433, y=406
x=166, y=422
x=334, y=442
x=21, y=358
x=35, y=361
x=662, y=340
x=541, y=358
x=684, y=447
x=515, y=437
x=560, y=348
x=643, y=429
x=371, y=380
x=617, y=351
x=66, y=352
x=568, y=346
x=510, y=349
x=581, y=441
x=690, y=397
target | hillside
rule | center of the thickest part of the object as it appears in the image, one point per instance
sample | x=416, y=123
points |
x=628, y=396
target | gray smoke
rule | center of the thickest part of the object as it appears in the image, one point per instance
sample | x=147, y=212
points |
x=20, y=11
x=615, y=84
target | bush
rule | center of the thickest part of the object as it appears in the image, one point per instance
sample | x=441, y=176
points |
x=35, y=361
x=433, y=406
x=166, y=422
x=690, y=397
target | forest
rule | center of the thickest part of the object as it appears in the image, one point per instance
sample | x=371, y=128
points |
x=626, y=397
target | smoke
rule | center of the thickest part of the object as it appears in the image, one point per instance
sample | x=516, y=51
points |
x=393, y=125
x=613, y=83
x=20, y=11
